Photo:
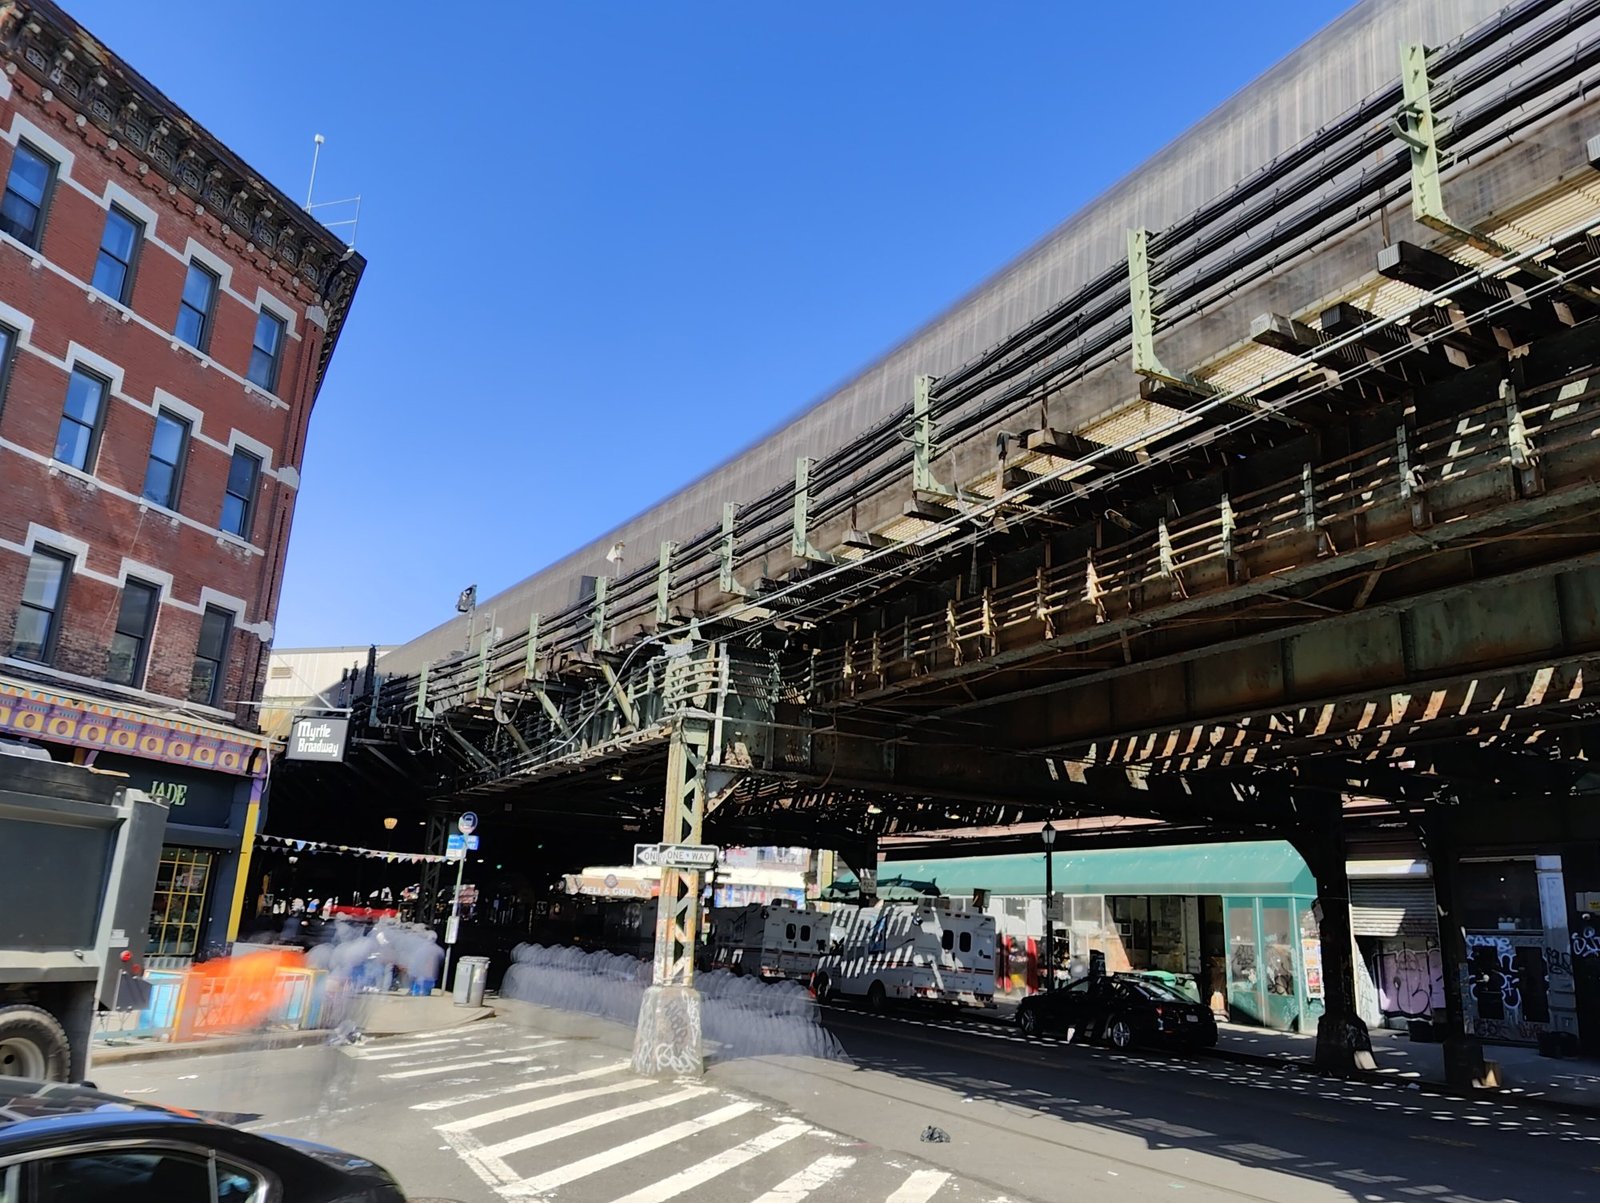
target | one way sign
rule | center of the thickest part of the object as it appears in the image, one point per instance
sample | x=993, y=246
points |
x=675, y=856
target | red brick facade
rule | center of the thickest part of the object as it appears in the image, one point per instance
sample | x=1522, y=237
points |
x=57, y=321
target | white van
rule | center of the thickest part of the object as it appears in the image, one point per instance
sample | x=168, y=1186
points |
x=935, y=951
x=768, y=940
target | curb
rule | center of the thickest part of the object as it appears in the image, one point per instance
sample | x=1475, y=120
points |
x=125, y=1054
x=1503, y=1094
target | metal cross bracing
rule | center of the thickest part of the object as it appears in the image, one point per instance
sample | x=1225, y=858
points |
x=1153, y=602
x=1321, y=542
x=1500, y=79
x=1337, y=547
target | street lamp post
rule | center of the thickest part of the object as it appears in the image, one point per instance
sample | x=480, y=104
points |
x=1048, y=834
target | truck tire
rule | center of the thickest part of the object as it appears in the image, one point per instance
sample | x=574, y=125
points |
x=33, y=1045
x=821, y=987
x=877, y=998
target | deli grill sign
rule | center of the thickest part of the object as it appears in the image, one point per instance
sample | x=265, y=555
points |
x=317, y=739
x=675, y=856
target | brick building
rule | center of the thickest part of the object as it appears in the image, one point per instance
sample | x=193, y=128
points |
x=166, y=320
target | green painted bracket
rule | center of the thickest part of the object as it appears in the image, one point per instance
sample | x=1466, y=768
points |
x=800, y=540
x=726, y=581
x=664, y=583
x=598, y=642
x=922, y=435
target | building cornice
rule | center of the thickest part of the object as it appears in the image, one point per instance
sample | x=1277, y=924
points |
x=38, y=38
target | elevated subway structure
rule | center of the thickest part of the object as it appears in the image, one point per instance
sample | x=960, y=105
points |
x=1257, y=500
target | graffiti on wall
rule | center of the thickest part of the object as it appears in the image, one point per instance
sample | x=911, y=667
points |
x=1510, y=977
x=1410, y=981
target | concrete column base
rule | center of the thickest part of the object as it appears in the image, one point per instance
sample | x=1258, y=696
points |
x=666, y=1044
x=1464, y=1066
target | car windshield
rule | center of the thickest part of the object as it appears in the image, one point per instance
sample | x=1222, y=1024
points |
x=1159, y=991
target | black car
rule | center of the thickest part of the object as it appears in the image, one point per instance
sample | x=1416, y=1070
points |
x=73, y=1144
x=1122, y=1011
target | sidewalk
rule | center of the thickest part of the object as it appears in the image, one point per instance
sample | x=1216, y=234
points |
x=384, y=1015
x=1525, y=1076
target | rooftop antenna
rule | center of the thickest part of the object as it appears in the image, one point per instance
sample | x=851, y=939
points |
x=316, y=153
x=353, y=203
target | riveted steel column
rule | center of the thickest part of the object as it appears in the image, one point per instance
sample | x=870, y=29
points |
x=667, y=1040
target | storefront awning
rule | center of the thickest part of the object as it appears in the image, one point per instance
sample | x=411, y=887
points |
x=1268, y=867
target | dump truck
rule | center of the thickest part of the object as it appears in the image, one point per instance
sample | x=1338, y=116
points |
x=78, y=858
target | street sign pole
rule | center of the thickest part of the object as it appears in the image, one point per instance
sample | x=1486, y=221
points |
x=467, y=824
x=452, y=927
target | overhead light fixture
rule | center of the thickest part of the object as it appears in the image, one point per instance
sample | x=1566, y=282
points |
x=614, y=775
x=874, y=809
x=390, y=824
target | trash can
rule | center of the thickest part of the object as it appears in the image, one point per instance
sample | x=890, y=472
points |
x=472, y=975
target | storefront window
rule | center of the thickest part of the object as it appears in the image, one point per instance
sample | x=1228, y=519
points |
x=1277, y=947
x=177, y=909
x=1242, y=970
x=1169, y=949
x=1132, y=918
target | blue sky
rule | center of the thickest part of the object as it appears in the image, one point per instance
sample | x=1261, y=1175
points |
x=610, y=244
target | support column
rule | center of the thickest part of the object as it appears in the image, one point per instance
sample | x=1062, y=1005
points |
x=667, y=1041
x=1463, y=1051
x=1343, y=1042
x=862, y=860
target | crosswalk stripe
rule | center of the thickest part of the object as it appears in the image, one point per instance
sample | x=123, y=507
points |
x=920, y=1187
x=674, y=1185
x=410, y=1050
x=532, y=1140
x=483, y=1120
x=819, y=1173
x=478, y=1096
x=550, y=1179
x=452, y=1066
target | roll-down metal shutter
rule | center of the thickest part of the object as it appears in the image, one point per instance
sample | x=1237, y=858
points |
x=1394, y=907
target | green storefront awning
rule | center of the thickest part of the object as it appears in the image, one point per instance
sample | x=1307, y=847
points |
x=1268, y=867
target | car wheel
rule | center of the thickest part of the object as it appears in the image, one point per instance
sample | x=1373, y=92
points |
x=1028, y=1021
x=877, y=998
x=33, y=1045
x=1119, y=1033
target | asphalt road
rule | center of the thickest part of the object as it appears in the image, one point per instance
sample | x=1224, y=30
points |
x=508, y=1111
x=1076, y=1122
x=499, y=1112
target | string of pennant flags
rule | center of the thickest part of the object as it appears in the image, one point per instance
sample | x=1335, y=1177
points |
x=322, y=847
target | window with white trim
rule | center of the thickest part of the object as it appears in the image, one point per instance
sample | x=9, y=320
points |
x=169, y=447
x=44, y=600
x=119, y=249
x=211, y=656
x=8, y=344
x=130, y=640
x=27, y=195
x=266, y=352
x=239, y=501
x=197, y=306
x=78, y=437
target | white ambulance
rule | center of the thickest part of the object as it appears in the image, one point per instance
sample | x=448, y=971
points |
x=768, y=940
x=936, y=950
